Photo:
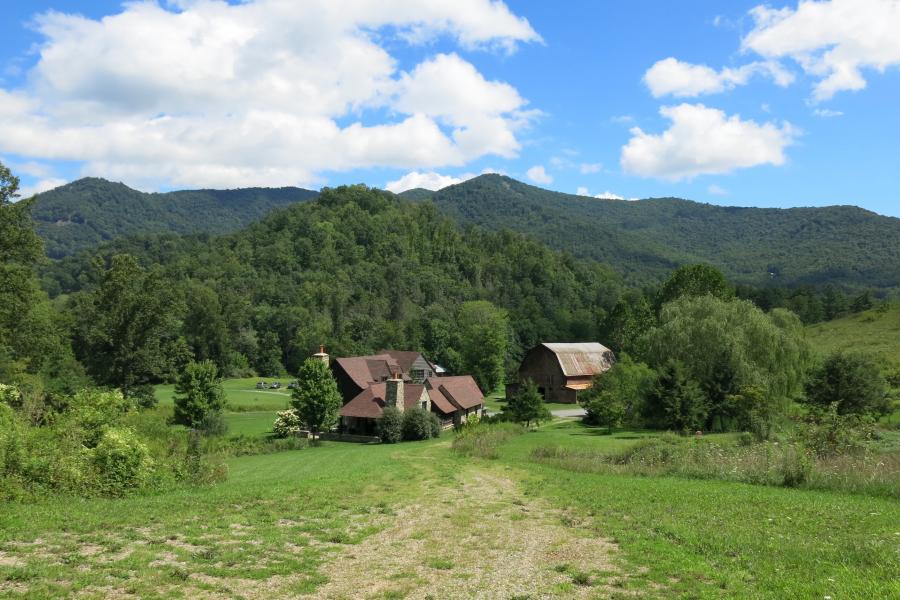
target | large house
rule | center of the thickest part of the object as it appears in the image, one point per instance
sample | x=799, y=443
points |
x=403, y=379
x=561, y=370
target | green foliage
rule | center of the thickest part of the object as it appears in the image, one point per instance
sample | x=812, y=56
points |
x=726, y=346
x=645, y=240
x=676, y=402
x=126, y=331
x=358, y=270
x=390, y=425
x=144, y=396
x=619, y=394
x=316, y=398
x=526, y=406
x=626, y=327
x=484, y=341
x=828, y=432
x=122, y=461
x=95, y=411
x=695, y=280
x=198, y=395
x=417, y=424
x=94, y=210
x=852, y=382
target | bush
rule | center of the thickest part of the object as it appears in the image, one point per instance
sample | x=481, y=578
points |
x=853, y=382
x=122, y=462
x=390, y=426
x=829, y=433
x=435, y=423
x=94, y=411
x=213, y=424
x=287, y=424
x=416, y=425
x=144, y=396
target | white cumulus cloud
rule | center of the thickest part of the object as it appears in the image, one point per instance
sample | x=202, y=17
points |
x=264, y=92
x=607, y=195
x=671, y=76
x=832, y=41
x=702, y=140
x=427, y=180
x=539, y=175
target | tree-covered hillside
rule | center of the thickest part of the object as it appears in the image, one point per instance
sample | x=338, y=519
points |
x=90, y=211
x=357, y=269
x=645, y=240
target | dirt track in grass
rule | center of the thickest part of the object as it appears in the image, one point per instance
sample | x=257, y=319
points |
x=477, y=537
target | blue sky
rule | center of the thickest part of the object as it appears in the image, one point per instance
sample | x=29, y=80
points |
x=728, y=103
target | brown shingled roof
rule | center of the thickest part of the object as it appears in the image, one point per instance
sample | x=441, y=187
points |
x=369, y=403
x=405, y=358
x=364, y=370
x=450, y=394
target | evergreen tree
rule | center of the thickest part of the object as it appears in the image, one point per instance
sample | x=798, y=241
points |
x=527, y=406
x=316, y=398
x=676, y=402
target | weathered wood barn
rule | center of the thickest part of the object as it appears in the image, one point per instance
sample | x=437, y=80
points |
x=561, y=370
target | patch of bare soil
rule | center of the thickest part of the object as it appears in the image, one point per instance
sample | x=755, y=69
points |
x=480, y=538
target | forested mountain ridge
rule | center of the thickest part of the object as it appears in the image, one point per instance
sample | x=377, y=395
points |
x=644, y=240
x=85, y=213
x=357, y=269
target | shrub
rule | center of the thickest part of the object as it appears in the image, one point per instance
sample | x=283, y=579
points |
x=144, y=396
x=94, y=411
x=527, y=405
x=416, y=425
x=829, y=433
x=213, y=424
x=122, y=462
x=435, y=423
x=390, y=426
x=852, y=381
x=287, y=424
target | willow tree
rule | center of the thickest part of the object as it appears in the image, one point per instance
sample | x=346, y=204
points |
x=729, y=346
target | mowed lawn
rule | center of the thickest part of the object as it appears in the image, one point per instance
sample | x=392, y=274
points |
x=314, y=523
x=249, y=411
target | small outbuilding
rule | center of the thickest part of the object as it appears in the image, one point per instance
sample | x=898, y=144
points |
x=562, y=370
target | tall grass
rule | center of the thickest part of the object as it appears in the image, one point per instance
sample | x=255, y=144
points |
x=768, y=463
x=484, y=440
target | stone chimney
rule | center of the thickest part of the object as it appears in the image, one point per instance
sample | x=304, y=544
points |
x=321, y=355
x=393, y=395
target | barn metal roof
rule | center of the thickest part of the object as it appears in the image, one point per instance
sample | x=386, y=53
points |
x=582, y=358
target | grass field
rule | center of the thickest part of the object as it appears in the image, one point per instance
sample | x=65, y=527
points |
x=875, y=331
x=415, y=520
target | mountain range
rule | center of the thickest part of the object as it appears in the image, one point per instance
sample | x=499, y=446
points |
x=85, y=213
x=642, y=240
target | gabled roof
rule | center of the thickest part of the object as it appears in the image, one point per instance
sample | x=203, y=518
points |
x=370, y=403
x=405, y=358
x=364, y=370
x=450, y=394
x=583, y=358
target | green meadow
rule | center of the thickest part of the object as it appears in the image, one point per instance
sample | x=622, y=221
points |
x=875, y=331
x=418, y=520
